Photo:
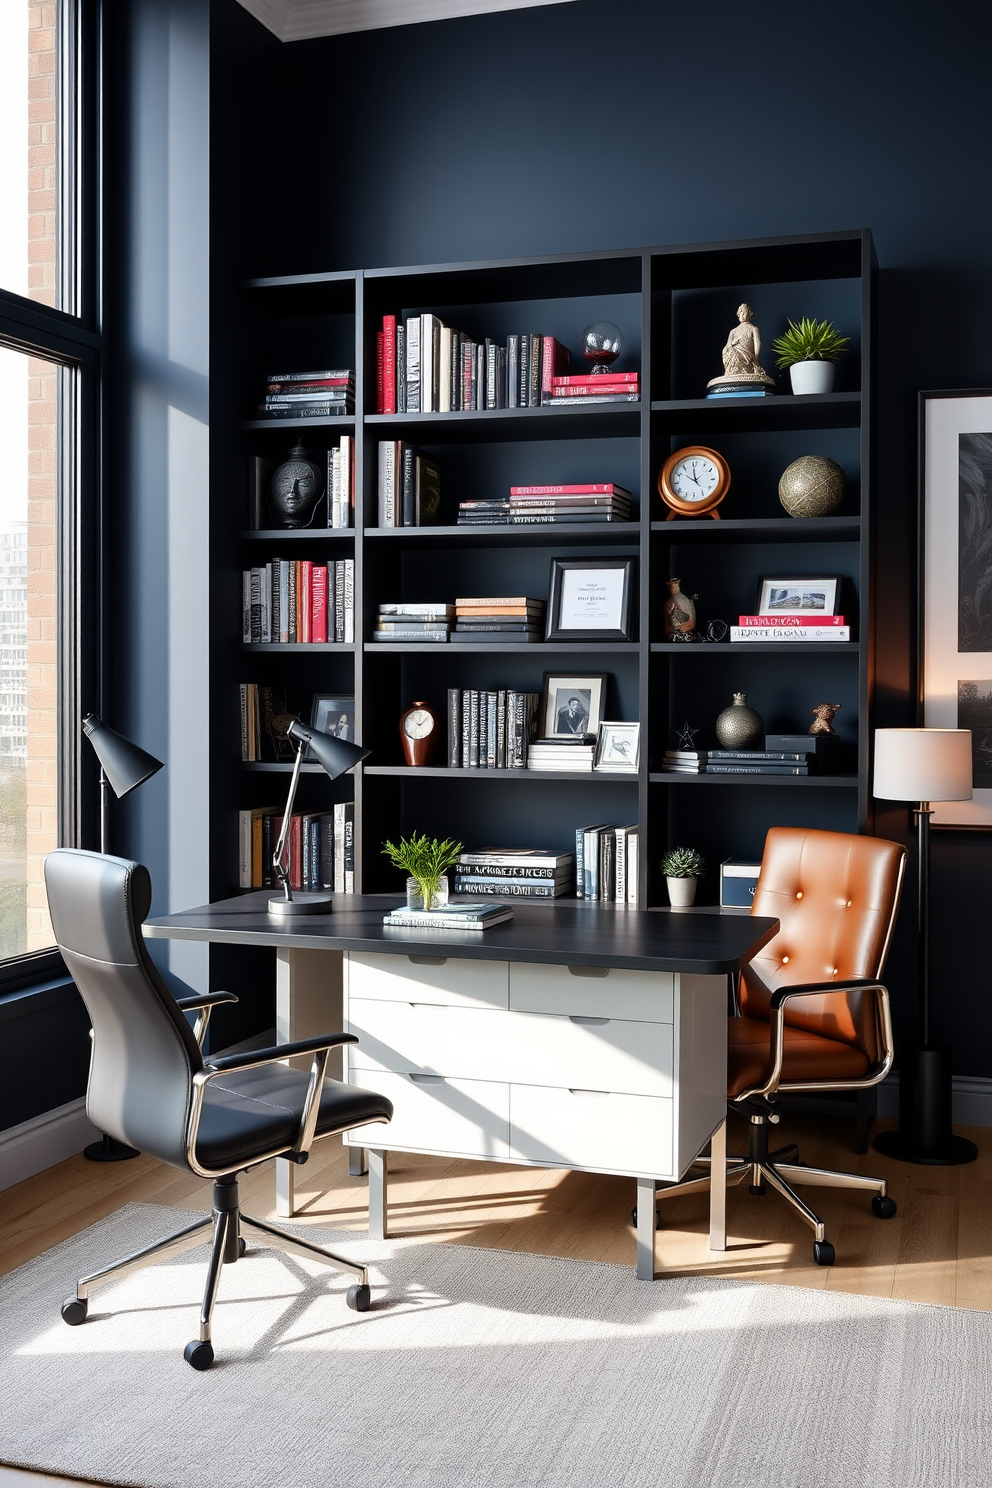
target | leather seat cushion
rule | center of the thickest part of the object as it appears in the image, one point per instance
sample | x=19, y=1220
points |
x=246, y=1115
x=808, y=1056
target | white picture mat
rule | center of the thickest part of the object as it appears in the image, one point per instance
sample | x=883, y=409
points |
x=591, y=599
x=943, y=665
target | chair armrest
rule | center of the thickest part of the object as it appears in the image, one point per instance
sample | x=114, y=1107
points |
x=777, y=1004
x=782, y=995
x=204, y=1005
x=252, y=1058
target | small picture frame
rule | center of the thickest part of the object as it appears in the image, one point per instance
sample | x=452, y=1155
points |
x=333, y=714
x=591, y=599
x=798, y=596
x=618, y=747
x=572, y=704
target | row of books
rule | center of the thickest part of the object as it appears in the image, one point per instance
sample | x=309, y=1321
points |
x=601, y=387
x=336, y=507
x=321, y=394
x=321, y=848
x=530, y=505
x=299, y=602
x=490, y=730
x=424, y=366
x=403, y=621
x=606, y=863
x=409, y=486
x=778, y=629
x=500, y=618
x=515, y=873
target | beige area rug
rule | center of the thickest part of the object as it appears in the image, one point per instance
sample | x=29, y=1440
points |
x=481, y=1369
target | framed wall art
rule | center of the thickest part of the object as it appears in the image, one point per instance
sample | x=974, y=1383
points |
x=955, y=636
x=591, y=599
x=797, y=596
x=572, y=704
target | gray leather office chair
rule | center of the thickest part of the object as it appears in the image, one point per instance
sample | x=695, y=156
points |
x=150, y=1086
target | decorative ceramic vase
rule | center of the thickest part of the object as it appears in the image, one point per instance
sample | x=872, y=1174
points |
x=739, y=727
x=681, y=892
x=415, y=894
x=812, y=486
x=295, y=489
x=679, y=610
x=602, y=343
x=812, y=377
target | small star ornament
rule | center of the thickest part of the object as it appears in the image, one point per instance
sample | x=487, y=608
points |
x=687, y=736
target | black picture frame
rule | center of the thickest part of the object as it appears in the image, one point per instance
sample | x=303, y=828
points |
x=322, y=716
x=562, y=596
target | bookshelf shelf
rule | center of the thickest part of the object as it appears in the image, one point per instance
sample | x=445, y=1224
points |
x=599, y=421
x=284, y=426
x=754, y=648
x=304, y=648
x=441, y=772
x=762, y=529
x=297, y=534
x=538, y=535
x=781, y=411
x=751, y=782
x=561, y=648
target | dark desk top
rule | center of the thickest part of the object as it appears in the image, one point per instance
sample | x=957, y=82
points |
x=569, y=933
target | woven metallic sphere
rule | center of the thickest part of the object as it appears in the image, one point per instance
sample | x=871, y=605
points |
x=812, y=486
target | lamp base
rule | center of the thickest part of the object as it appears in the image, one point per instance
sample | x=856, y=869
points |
x=924, y=1133
x=302, y=904
x=109, y=1150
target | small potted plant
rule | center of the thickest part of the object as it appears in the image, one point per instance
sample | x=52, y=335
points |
x=681, y=867
x=809, y=350
x=426, y=863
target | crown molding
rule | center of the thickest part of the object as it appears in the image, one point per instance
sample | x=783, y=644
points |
x=301, y=20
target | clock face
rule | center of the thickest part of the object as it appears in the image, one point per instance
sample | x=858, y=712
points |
x=418, y=724
x=695, y=478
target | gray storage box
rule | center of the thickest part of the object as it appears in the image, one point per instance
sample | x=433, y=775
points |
x=738, y=880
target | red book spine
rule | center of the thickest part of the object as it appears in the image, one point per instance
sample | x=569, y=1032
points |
x=306, y=600
x=318, y=627
x=308, y=387
x=786, y=621
x=299, y=602
x=296, y=852
x=601, y=385
x=554, y=362
x=594, y=490
x=380, y=384
x=389, y=364
x=592, y=378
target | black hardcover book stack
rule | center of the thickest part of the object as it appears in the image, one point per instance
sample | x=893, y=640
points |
x=515, y=873
x=783, y=754
x=490, y=729
x=543, y=505
x=498, y=620
x=413, y=622
x=321, y=394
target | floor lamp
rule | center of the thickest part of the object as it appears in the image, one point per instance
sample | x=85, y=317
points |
x=922, y=765
x=123, y=766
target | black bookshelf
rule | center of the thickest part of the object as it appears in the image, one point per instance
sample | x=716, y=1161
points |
x=675, y=306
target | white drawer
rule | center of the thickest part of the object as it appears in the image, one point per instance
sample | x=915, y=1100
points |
x=530, y=1048
x=584, y=1129
x=640, y=996
x=430, y=1114
x=455, y=982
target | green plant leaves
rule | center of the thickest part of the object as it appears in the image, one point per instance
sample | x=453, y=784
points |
x=683, y=862
x=809, y=341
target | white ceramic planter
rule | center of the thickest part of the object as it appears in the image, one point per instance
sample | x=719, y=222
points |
x=681, y=892
x=812, y=377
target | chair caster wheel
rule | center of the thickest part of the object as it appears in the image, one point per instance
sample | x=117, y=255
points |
x=823, y=1253
x=359, y=1298
x=200, y=1355
x=74, y=1312
x=242, y=1246
x=883, y=1207
x=633, y=1216
x=757, y=1188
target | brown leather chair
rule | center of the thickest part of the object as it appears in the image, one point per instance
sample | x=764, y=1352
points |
x=812, y=1014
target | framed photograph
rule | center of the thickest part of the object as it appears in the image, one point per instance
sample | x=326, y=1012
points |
x=334, y=715
x=618, y=747
x=791, y=596
x=572, y=705
x=591, y=599
x=956, y=584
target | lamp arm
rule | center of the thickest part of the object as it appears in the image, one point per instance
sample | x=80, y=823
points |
x=282, y=870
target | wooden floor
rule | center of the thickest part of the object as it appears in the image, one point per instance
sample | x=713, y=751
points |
x=937, y=1249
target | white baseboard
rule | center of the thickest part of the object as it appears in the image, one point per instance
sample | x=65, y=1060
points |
x=971, y=1100
x=43, y=1141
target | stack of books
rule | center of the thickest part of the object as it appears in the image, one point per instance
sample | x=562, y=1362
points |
x=413, y=622
x=481, y=915
x=777, y=629
x=783, y=754
x=424, y=366
x=515, y=873
x=321, y=848
x=299, y=602
x=490, y=730
x=534, y=505
x=606, y=864
x=336, y=512
x=409, y=486
x=323, y=394
x=759, y=762
x=601, y=387
x=685, y=761
x=496, y=620
x=576, y=753
x=741, y=390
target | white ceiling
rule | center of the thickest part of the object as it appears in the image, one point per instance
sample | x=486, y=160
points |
x=299, y=20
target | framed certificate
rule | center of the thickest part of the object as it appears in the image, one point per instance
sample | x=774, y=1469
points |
x=591, y=599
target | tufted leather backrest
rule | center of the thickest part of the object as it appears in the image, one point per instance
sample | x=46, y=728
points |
x=835, y=896
x=144, y=1053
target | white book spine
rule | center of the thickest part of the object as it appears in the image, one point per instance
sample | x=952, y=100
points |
x=427, y=364
x=444, y=371
x=246, y=605
x=633, y=840
x=784, y=634
x=620, y=865
x=339, y=849
x=244, y=849
x=349, y=599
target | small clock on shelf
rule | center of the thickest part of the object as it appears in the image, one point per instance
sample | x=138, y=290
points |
x=693, y=481
x=419, y=732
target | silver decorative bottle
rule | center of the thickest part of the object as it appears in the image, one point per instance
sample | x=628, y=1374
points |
x=740, y=727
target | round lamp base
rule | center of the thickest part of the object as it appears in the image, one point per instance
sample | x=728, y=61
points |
x=302, y=904
x=955, y=1150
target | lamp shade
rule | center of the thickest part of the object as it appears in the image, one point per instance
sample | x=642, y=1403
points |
x=923, y=764
x=336, y=756
x=124, y=764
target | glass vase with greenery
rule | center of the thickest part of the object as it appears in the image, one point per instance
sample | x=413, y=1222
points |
x=426, y=860
x=809, y=341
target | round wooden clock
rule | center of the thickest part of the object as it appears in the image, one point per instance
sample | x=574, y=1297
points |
x=419, y=731
x=693, y=481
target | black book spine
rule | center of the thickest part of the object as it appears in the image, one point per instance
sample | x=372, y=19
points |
x=491, y=376
x=473, y=734
x=268, y=847
x=501, y=729
x=512, y=371
x=454, y=728
x=327, y=851
x=408, y=459
x=523, y=370
x=466, y=728
x=400, y=367
x=349, y=848
x=534, y=369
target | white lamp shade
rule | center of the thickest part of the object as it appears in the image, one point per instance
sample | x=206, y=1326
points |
x=923, y=764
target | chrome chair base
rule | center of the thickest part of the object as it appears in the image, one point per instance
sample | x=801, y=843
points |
x=228, y=1245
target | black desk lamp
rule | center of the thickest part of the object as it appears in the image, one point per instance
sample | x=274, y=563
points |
x=337, y=757
x=123, y=766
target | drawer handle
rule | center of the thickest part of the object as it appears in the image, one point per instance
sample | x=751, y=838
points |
x=572, y=1091
x=427, y=960
x=593, y=1022
x=427, y=1079
x=429, y=1004
x=590, y=971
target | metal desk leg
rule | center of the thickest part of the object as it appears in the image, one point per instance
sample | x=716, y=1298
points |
x=358, y=1162
x=647, y=1225
x=718, y=1188
x=377, y=1194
